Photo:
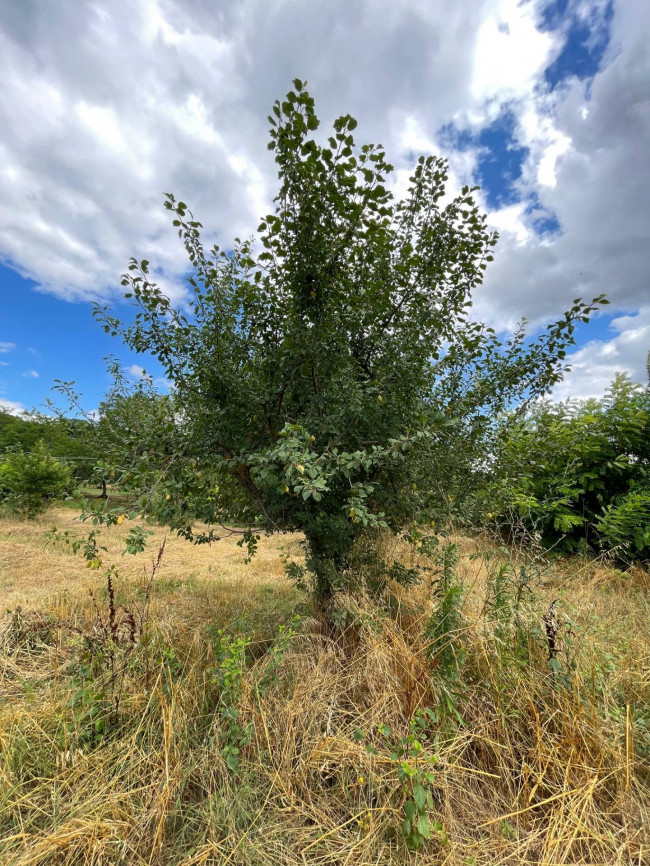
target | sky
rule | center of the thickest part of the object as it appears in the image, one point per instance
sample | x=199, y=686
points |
x=106, y=104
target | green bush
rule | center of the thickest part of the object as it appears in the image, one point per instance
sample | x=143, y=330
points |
x=64, y=438
x=29, y=481
x=579, y=472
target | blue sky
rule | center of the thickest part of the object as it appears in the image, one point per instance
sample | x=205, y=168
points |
x=55, y=339
x=545, y=105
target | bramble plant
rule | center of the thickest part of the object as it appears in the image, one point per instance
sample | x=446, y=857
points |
x=316, y=371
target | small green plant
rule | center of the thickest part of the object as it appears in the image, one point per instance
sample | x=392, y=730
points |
x=171, y=669
x=99, y=669
x=276, y=656
x=104, y=653
x=416, y=774
x=510, y=588
x=445, y=625
x=227, y=675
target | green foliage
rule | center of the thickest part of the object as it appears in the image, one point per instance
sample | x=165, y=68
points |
x=64, y=438
x=444, y=628
x=132, y=438
x=30, y=481
x=510, y=593
x=325, y=371
x=579, y=472
x=276, y=655
x=626, y=523
x=227, y=675
x=416, y=775
x=97, y=671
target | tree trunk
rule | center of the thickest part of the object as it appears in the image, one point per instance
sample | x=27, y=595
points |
x=327, y=560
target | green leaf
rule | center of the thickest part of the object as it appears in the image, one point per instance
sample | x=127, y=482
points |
x=420, y=797
x=424, y=828
x=410, y=810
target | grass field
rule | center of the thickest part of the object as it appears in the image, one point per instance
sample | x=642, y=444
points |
x=196, y=720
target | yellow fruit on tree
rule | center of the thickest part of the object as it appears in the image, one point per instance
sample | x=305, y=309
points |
x=300, y=468
x=286, y=488
x=120, y=520
x=380, y=399
x=168, y=497
x=312, y=438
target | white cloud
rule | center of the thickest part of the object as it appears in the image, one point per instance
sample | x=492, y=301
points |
x=6, y=347
x=11, y=406
x=587, y=167
x=595, y=365
x=30, y=374
x=510, y=53
x=103, y=108
x=136, y=372
x=162, y=95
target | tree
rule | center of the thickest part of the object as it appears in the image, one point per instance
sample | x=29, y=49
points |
x=64, y=438
x=29, y=481
x=130, y=437
x=316, y=371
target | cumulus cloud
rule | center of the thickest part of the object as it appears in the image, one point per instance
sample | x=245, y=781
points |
x=6, y=347
x=596, y=363
x=173, y=95
x=137, y=372
x=30, y=374
x=587, y=169
x=12, y=407
x=590, y=153
x=169, y=95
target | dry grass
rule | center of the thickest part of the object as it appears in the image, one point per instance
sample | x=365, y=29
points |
x=33, y=569
x=543, y=768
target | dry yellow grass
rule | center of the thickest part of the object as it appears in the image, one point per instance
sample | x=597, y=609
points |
x=537, y=772
x=32, y=568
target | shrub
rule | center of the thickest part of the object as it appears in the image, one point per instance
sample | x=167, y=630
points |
x=30, y=481
x=579, y=472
